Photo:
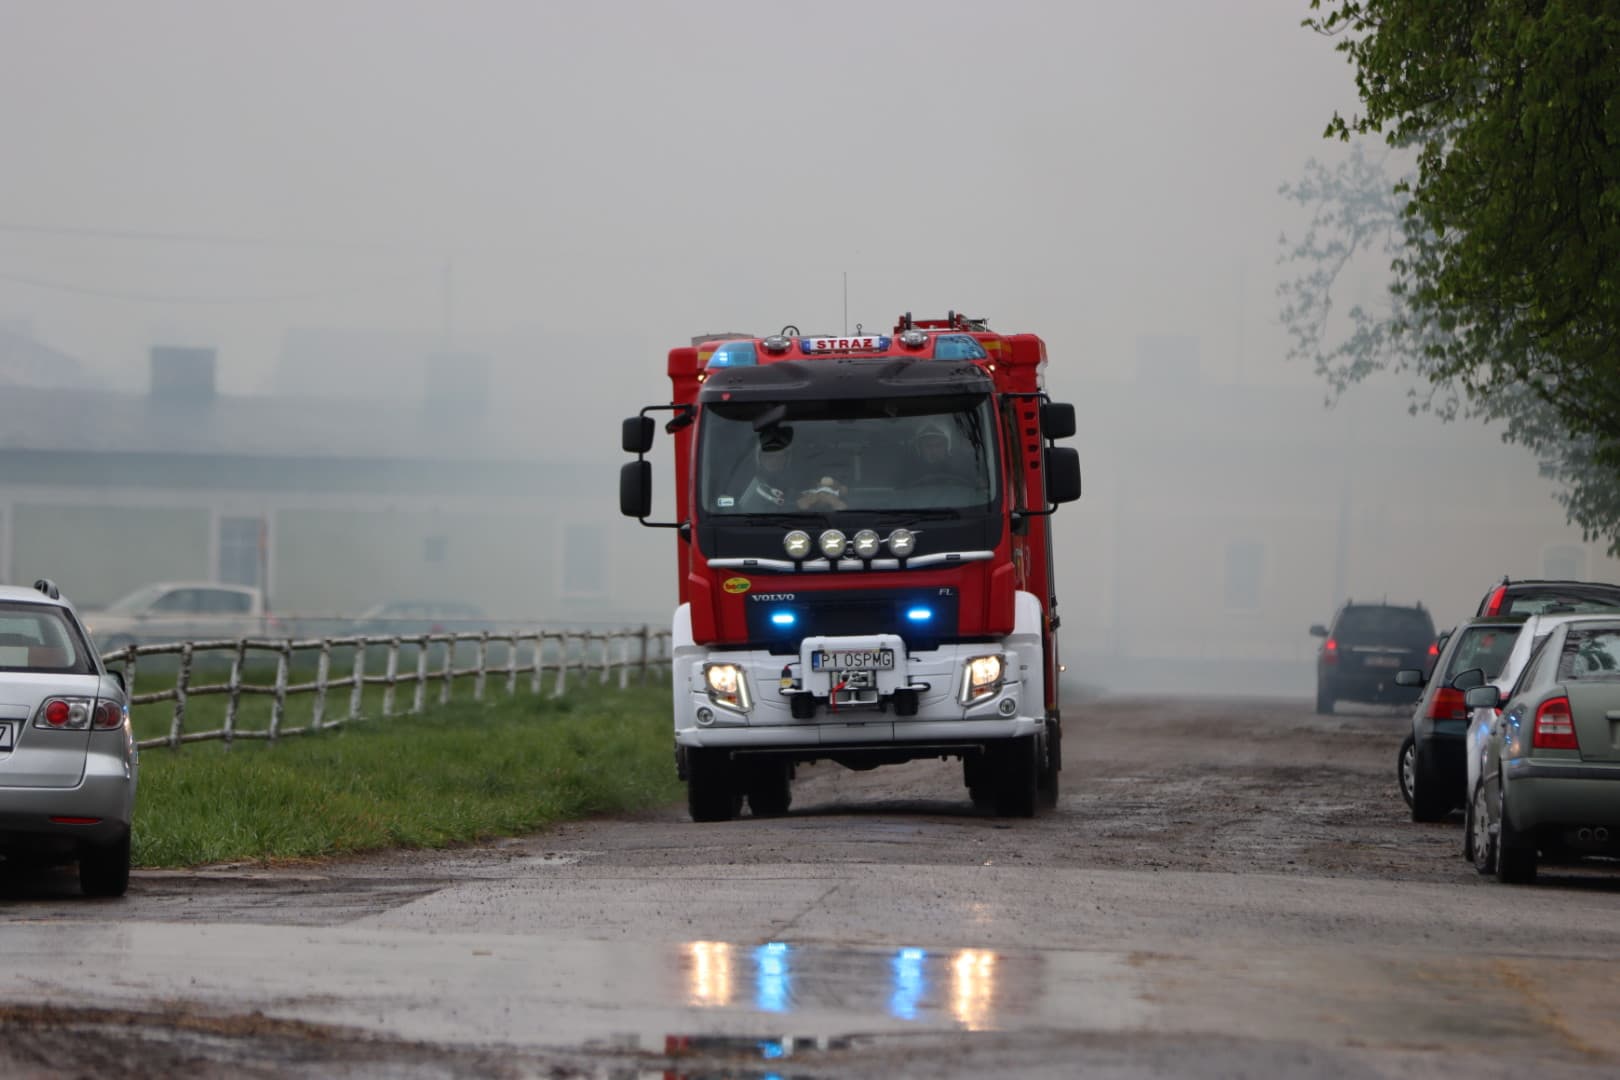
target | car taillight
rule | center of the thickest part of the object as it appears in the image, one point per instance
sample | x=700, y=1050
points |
x=1330, y=651
x=1493, y=606
x=1448, y=704
x=64, y=714
x=1434, y=649
x=108, y=715
x=1555, y=726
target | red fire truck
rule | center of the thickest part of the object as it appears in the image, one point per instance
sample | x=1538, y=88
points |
x=864, y=553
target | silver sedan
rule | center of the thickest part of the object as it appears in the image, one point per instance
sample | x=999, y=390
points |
x=67, y=753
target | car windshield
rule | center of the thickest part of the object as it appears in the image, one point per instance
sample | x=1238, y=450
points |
x=1591, y=654
x=37, y=637
x=139, y=600
x=1483, y=647
x=922, y=453
x=1538, y=603
x=1386, y=625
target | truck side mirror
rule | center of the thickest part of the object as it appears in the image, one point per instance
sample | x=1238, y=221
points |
x=635, y=488
x=1062, y=467
x=638, y=434
x=1483, y=697
x=1057, y=420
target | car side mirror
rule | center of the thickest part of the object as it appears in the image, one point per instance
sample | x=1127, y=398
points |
x=1409, y=677
x=1318, y=630
x=1483, y=697
x=1467, y=680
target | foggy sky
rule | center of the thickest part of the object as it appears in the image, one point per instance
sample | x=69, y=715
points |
x=650, y=170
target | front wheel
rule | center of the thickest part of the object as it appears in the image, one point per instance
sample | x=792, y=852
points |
x=104, y=868
x=1405, y=766
x=1428, y=801
x=1481, y=841
x=711, y=786
x=1017, y=766
x=770, y=789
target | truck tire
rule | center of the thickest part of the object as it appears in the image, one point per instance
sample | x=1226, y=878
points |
x=711, y=786
x=770, y=788
x=1017, y=765
x=1051, y=765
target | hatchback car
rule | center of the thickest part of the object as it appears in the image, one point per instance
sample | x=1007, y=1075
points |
x=1431, y=765
x=1549, y=782
x=67, y=752
x=1363, y=648
x=1537, y=596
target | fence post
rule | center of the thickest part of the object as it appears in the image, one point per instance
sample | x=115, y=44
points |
x=511, y=664
x=279, y=708
x=483, y=661
x=358, y=687
x=449, y=668
x=129, y=670
x=539, y=663
x=323, y=672
x=233, y=698
x=646, y=653
x=562, y=665
x=607, y=657
x=624, y=660
x=182, y=683
x=419, y=699
x=391, y=675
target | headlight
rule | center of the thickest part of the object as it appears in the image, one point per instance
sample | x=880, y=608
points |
x=727, y=686
x=982, y=676
x=832, y=543
x=902, y=543
x=797, y=544
x=866, y=543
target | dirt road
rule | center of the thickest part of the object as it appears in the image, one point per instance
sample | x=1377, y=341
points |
x=1227, y=888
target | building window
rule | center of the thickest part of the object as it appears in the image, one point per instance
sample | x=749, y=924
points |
x=1563, y=562
x=435, y=548
x=584, y=564
x=1243, y=564
x=241, y=550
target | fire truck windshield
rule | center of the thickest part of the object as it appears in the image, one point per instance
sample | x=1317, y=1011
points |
x=912, y=453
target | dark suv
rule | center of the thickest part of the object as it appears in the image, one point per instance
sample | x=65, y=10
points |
x=1536, y=597
x=1363, y=649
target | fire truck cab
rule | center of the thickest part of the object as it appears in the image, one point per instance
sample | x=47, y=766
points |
x=863, y=548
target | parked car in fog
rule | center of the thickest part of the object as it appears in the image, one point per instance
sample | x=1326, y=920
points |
x=67, y=754
x=1549, y=779
x=1362, y=649
x=1538, y=596
x=183, y=611
x=1430, y=764
x=415, y=617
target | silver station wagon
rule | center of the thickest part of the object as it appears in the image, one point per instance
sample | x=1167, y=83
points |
x=67, y=753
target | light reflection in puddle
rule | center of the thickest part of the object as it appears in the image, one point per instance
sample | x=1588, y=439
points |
x=957, y=987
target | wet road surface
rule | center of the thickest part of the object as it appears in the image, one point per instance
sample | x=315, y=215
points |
x=1225, y=889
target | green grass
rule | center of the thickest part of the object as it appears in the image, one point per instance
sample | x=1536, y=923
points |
x=461, y=772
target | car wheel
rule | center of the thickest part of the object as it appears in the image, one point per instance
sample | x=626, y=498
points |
x=770, y=789
x=711, y=788
x=1428, y=801
x=1017, y=776
x=1324, y=698
x=1468, y=832
x=1515, y=851
x=104, y=868
x=1405, y=764
x=1481, y=841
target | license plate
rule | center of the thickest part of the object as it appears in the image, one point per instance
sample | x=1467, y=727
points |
x=1383, y=661
x=852, y=660
x=5, y=735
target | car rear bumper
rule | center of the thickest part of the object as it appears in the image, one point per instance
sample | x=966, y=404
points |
x=1370, y=686
x=1540, y=794
x=105, y=794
